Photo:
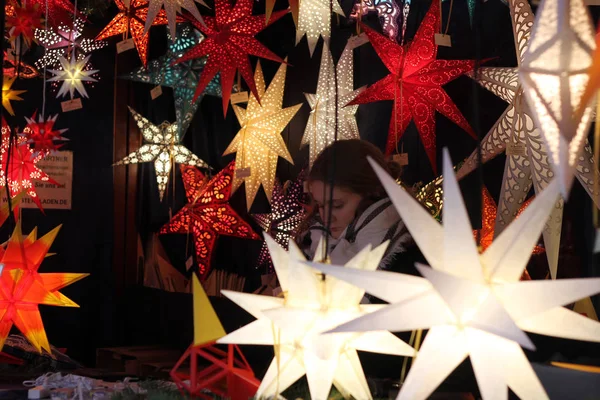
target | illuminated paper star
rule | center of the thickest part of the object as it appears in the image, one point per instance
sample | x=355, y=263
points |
x=132, y=19
x=473, y=304
x=72, y=74
x=24, y=21
x=208, y=214
x=388, y=11
x=172, y=7
x=229, y=41
x=518, y=134
x=314, y=20
x=182, y=77
x=23, y=288
x=8, y=94
x=294, y=9
x=258, y=143
x=42, y=135
x=415, y=84
x=312, y=304
x=163, y=148
x=321, y=127
x=60, y=12
x=63, y=40
x=553, y=72
x=20, y=69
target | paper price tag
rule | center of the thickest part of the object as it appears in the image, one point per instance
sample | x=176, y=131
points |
x=241, y=97
x=189, y=263
x=443, y=40
x=401, y=158
x=357, y=41
x=71, y=105
x=125, y=45
x=242, y=173
x=516, y=149
x=154, y=93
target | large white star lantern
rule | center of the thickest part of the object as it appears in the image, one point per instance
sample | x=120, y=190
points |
x=312, y=304
x=73, y=74
x=473, y=304
x=314, y=20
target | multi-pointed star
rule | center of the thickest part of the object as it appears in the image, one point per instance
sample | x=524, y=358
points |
x=59, y=42
x=415, y=84
x=312, y=304
x=314, y=20
x=172, y=7
x=131, y=20
x=473, y=304
x=208, y=214
x=60, y=12
x=182, y=77
x=228, y=43
x=321, y=129
x=24, y=21
x=23, y=288
x=73, y=74
x=42, y=135
x=9, y=94
x=163, y=148
x=258, y=143
x=517, y=134
x=388, y=11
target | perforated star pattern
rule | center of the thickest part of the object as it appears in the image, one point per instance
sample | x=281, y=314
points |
x=171, y=8
x=229, y=41
x=258, y=143
x=163, y=148
x=208, y=214
x=72, y=75
x=388, y=11
x=9, y=94
x=12, y=67
x=60, y=12
x=415, y=84
x=314, y=20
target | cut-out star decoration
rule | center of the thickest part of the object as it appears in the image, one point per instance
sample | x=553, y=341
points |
x=131, y=20
x=23, y=288
x=314, y=20
x=73, y=74
x=42, y=136
x=415, y=84
x=228, y=43
x=473, y=304
x=22, y=169
x=24, y=21
x=163, y=148
x=208, y=214
x=60, y=12
x=259, y=143
x=321, y=129
x=294, y=9
x=20, y=69
x=61, y=41
x=9, y=94
x=172, y=7
x=312, y=304
x=182, y=77
x=287, y=213
x=388, y=11
x=554, y=73
x=518, y=134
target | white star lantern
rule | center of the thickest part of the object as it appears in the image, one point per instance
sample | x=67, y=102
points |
x=554, y=73
x=473, y=304
x=321, y=126
x=314, y=20
x=72, y=74
x=172, y=7
x=313, y=304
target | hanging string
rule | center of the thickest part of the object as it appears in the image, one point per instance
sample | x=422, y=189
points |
x=596, y=160
x=445, y=31
x=475, y=109
x=45, y=65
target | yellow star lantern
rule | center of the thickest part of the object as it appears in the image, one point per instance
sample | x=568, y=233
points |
x=163, y=148
x=320, y=130
x=73, y=74
x=258, y=143
x=8, y=94
x=313, y=304
x=314, y=20
x=554, y=75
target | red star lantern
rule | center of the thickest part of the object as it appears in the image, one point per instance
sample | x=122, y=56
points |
x=22, y=168
x=23, y=288
x=132, y=19
x=208, y=213
x=415, y=84
x=24, y=21
x=228, y=43
x=60, y=12
x=42, y=136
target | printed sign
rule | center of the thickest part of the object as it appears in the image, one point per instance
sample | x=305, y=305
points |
x=59, y=166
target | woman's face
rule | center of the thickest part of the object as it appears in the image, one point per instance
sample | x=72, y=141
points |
x=343, y=207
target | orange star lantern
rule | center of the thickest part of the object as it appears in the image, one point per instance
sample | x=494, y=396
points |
x=23, y=288
x=208, y=213
x=132, y=19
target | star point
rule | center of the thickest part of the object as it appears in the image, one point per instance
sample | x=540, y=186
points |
x=73, y=75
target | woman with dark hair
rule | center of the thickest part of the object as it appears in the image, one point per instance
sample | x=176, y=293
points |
x=359, y=211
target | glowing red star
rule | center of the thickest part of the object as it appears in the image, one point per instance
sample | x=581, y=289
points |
x=415, y=83
x=228, y=43
x=22, y=168
x=208, y=213
x=42, y=134
x=24, y=21
x=60, y=12
x=132, y=20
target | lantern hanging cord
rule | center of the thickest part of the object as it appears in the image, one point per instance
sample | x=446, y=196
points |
x=45, y=66
x=475, y=109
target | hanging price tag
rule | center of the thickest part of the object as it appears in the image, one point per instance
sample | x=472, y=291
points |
x=443, y=40
x=242, y=173
x=154, y=93
x=401, y=158
x=357, y=41
x=189, y=263
x=241, y=97
x=125, y=45
x=516, y=149
x=71, y=105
